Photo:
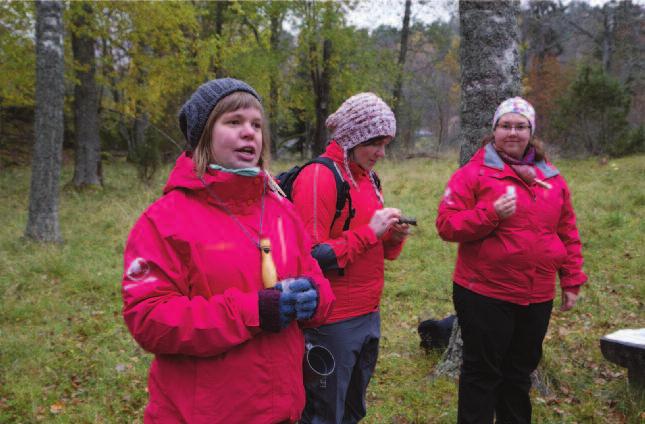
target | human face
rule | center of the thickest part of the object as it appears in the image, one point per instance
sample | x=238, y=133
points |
x=512, y=141
x=367, y=154
x=236, y=140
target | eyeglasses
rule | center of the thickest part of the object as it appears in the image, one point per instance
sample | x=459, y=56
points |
x=518, y=128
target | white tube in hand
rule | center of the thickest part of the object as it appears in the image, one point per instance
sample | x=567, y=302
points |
x=510, y=191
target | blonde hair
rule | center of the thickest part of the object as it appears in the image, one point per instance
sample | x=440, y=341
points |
x=203, y=156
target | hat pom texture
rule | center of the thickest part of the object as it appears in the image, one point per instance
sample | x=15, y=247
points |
x=194, y=113
x=360, y=118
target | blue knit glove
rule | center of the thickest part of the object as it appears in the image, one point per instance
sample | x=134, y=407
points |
x=287, y=308
x=306, y=298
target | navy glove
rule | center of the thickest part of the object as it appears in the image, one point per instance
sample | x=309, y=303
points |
x=306, y=298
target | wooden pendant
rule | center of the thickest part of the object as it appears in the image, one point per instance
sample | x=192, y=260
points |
x=269, y=273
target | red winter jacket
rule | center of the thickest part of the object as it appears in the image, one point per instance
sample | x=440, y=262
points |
x=357, y=251
x=190, y=292
x=515, y=259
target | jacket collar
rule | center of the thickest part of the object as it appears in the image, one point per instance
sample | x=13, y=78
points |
x=492, y=160
x=229, y=187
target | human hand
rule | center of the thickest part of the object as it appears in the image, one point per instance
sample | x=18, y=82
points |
x=505, y=205
x=399, y=232
x=383, y=219
x=306, y=296
x=569, y=300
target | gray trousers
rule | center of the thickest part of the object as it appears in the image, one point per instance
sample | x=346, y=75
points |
x=340, y=397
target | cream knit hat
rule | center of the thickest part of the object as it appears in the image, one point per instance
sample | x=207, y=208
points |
x=360, y=118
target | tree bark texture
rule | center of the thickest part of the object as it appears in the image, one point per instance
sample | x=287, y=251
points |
x=490, y=69
x=276, y=19
x=450, y=363
x=320, y=72
x=42, y=223
x=87, y=165
x=398, y=85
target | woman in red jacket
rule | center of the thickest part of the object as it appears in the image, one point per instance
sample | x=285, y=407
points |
x=198, y=292
x=352, y=258
x=511, y=213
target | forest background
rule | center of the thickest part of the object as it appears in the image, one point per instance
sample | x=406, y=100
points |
x=133, y=64
x=65, y=354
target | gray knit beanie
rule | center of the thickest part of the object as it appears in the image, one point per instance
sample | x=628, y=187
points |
x=194, y=113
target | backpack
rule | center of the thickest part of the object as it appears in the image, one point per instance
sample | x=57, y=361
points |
x=286, y=180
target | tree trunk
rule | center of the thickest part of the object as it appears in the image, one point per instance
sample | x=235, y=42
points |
x=42, y=223
x=274, y=44
x=88, y=143
x=398, y=85
x=490, y=73
x=216, y=58
x=451, y=359
x=320, y=78
x=608, y=37
x=490, y=70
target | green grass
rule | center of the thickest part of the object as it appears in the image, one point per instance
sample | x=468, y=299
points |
x=66, y=356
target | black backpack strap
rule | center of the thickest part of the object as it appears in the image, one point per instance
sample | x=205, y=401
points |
x=377, y=180
x=342, y=191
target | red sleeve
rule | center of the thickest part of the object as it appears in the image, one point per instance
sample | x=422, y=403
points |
x=161, y=316
x=461, y=216
x=314, y=196
x=312, y=270
x=571, y=274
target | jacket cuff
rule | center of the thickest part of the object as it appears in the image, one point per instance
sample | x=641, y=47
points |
x=269, y=309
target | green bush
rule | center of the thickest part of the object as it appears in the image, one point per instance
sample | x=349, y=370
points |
x=592, y=115
x=633, y=143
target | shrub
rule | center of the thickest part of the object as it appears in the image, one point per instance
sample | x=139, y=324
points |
x=592, y=114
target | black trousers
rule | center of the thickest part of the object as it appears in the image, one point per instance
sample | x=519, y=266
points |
x=502, y=347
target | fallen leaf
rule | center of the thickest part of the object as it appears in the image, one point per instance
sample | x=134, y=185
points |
x=563, y=332
x=56, y=408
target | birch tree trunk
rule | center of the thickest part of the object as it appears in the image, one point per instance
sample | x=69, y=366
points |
x=490, y=68
x=87, y=166
x=42, y=223
x=490, y=73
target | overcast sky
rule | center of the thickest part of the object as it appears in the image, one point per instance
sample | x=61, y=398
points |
x=372, y=13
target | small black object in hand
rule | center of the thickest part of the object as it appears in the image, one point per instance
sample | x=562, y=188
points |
x=407, y=220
